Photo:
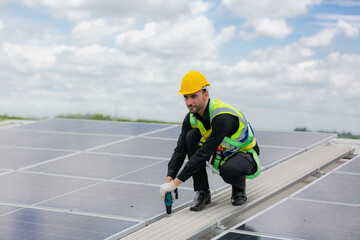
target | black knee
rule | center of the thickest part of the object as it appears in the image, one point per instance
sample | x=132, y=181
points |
x=234, y=170
x=192, y=141
x=227, y=172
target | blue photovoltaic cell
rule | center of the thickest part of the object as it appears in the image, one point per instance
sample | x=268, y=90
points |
x=71, y=141
x=168, y=133
x=307, y=220
x=27, y=188
x=335, y=187
x=242, y=236
x=123, y=128
x=95, y=165
x=14, y=158
x=290, y=139
x=142, y=147
x=269, y=155
x=154, y=174
x=120, y=199
x=44, y=225
x=151, y=175
x=60, y=125
x=4, y=209
x=352, y=167
x=12, y=137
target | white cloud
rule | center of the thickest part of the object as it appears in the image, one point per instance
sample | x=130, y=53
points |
x=323, y=38
x=250, y=9
x=225, y=35
x=274, y=28
x=278, y=86
x=199, y=7
x=73, y=15
x=283, y=54
x=7, y=1
x=345, y=71
x=1, y=25
x=307, y=72
x=346, y=3
x=253, y=67
x=349, y=31
x=96, y=31
x=247, y=36
x=185, y=38
x=25, y=57
x=353, y=19
x=327, y=36
x=83, y=9
x=96, y=78
x=267, y=18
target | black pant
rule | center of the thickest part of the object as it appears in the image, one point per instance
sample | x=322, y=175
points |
x=233, y=171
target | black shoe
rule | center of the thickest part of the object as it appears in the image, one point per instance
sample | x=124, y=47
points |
x=238, y=197
x=202, y=198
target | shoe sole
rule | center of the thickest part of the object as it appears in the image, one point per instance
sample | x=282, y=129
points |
x=238, y=204
x=199, y=209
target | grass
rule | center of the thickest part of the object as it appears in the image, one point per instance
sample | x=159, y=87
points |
x=109, y=118
x=346, y=135
x=6, y=117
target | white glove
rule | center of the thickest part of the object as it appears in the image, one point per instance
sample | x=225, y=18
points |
x=167, y=187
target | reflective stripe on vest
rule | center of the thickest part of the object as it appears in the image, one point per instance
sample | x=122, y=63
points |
x=241, y=141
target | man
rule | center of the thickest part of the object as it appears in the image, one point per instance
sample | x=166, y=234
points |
x=212, y=131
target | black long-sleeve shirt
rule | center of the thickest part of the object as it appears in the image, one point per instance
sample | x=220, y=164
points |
x=222, y=125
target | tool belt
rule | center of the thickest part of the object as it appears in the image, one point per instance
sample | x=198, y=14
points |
x=218, y=160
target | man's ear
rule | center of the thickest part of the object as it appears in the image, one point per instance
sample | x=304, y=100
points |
x=206, y=93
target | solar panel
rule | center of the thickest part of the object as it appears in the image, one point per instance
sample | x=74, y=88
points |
x=11, y=137
x=146, y=175
x=173, y=132
x=70, y=141
x=7, y=209
x=302, y=219
x=84, y=175
x=133, y=201
x=60, y=125
x=114, y=128
x=41, y=224
x=14, y=158
x=326, y=209
x=104, y=166
x=31, y=188
x=233, y=235
x=160, y=148
x=270, y=156
x=335, y=187
x=352, y=167
x=291, y=139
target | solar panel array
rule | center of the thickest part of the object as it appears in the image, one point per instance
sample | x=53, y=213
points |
x=326, y=209
x=81, y=179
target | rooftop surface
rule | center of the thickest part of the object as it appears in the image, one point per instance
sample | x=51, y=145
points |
x=80, y=179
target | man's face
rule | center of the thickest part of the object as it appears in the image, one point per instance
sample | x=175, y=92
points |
x=196, y=102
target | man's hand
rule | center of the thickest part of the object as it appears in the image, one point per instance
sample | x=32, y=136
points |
x=167, y=187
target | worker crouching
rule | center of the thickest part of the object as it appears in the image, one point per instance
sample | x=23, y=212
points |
x=214, y=132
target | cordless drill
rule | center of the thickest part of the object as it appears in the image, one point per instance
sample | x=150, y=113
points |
x=168, y=201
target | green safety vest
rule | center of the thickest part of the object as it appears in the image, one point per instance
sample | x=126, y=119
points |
x=243, y=140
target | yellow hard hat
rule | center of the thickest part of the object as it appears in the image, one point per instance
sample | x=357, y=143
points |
x=192, y=82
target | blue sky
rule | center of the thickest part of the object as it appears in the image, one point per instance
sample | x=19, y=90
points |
x=284, y=64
